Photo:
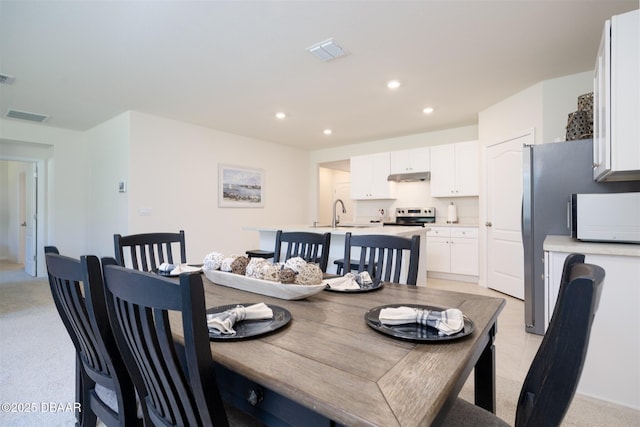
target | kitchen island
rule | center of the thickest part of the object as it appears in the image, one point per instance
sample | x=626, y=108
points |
x=336, y=250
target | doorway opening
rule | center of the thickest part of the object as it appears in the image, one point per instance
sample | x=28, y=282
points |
x=334, y=182
x=19, y=218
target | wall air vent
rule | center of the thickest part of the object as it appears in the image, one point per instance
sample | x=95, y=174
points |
x=23, y=115
x=327, y=50
x=6, y=79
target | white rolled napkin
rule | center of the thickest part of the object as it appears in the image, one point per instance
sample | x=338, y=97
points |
x=448, y=322
x=350, y=281
x=342, y=283
x=174, y=270
x=223, y=322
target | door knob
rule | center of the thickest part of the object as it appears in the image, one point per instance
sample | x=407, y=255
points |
x=24, y=224
x=488, y=224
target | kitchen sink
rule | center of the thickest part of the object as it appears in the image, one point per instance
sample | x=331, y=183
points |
x=373, y=224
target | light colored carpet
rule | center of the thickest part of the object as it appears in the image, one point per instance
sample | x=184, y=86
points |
x=37, y=358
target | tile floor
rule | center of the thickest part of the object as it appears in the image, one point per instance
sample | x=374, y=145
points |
x=515, y=350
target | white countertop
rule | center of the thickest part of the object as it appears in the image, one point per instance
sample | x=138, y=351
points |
x=567, y=244
x=374, y=228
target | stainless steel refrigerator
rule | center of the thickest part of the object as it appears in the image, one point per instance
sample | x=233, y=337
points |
x=552, y=172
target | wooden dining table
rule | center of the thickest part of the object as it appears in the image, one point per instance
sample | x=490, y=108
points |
x=328, y=367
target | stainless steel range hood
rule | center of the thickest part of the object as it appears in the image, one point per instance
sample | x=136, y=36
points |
x=407, y=177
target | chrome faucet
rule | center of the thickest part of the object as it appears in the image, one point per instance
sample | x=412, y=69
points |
x=336, y=219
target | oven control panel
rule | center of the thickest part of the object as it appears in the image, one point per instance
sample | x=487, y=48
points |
x=416, y=212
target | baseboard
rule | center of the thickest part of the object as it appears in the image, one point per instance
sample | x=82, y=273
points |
x=450, y=276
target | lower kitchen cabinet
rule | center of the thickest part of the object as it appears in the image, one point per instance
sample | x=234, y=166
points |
x=453, y=250
x=611, y=370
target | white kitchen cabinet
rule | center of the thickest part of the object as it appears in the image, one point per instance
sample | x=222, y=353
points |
x=454, y=170
x=369, y=177
x=607, y=375
x=616, y=152
x=410, y=161
x=453, y=250
x=438, y=250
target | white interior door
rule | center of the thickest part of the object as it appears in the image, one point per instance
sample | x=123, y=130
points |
x=505, y=253
x=28, y=197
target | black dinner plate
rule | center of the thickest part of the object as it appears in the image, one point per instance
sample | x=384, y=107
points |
x=414, y=331
x=168, y=274
x=251, y=328
x=373, y=287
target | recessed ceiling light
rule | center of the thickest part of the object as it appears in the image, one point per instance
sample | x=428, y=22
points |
x=327, y=131
x=428, y=110
x=281, y=115
x=393, y=84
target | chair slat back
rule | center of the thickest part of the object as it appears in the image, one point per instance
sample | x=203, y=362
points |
x=77, y=291
x=384, y=256
x=147, y=251
x=312, y=247
x=555, y=371
x=139, y=304
x=65, y=280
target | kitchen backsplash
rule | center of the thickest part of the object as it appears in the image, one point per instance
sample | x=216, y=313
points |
x=417, y=194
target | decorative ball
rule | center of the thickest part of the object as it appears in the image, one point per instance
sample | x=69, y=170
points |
x=287, y=276
x=254, y=268
x=225, y=264
x=295, y=263
x=212, y=261
x=310, y=274
x=239, y=265
x=270, y=272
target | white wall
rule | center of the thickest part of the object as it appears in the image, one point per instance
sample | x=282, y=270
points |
x=170, y=167
x=60, y=155
x=168, y=160
x=543, y=108
x=108, y=161
x=174, y=173
x=559, y=98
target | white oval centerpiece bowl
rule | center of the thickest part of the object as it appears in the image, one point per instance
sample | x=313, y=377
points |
x=262, y=287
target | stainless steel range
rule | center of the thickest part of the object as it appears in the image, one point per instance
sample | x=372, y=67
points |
x=414, y=217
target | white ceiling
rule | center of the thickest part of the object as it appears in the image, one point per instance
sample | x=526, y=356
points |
x=231, y=65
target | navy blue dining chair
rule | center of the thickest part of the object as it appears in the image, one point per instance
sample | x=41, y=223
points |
x=553, y=376
x=104, y=388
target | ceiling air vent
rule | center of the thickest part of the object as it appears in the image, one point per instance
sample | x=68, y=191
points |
x=23, y=115
x=6, y=79
x=327, y=50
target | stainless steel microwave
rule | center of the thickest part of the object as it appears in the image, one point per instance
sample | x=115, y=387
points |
x=605, y=217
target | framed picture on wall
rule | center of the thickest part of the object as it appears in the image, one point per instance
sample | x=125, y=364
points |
x=240, y=187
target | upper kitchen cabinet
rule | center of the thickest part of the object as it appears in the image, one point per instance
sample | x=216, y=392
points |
x=369, y=177
x=410, y=161
x=616, y=140
x=454, y=170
